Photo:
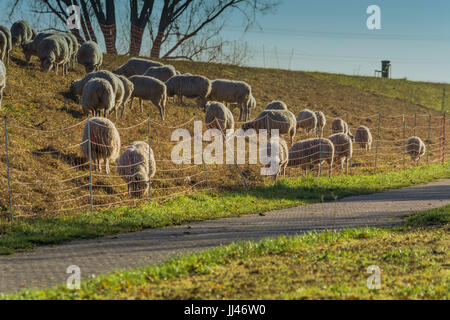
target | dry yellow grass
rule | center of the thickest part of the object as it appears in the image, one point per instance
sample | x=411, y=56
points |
x=40, y=161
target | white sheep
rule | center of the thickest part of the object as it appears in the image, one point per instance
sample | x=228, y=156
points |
x=98, y=95
x=363, y=137
x=231, y=91
x=30, y=48
x=415, y=148
x=53, y=52
x=343, y=149
x=307, y=120
x=136, y=66
x=321, y=121
x=2, y=81
x=282, y=120
x=21, y=33
x=148, y=88
x=104, y=140
x=76, y=87
x=281, y=159
x=162, y=73
x=276, y=105
x=90, y=56
x=189, y=86
x=7, y=34
x=309, y=153
x=137, y=166
x=219, y=117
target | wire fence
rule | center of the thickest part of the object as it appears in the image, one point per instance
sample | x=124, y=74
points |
x=45, y=176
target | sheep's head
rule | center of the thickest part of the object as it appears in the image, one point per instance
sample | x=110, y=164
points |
x=248, y=125
x=27, y=51
x=46, y=64
x=139, y=185
x=89, y=67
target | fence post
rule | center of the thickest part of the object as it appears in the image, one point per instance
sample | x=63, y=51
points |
x=428, y=138
x=320, y=150
x=203, y=161
x=90, y=165
x=149, y=153
x=415, y=124
x=378, y=143
x=349, y=161
x=11, y=215
x=443, y=140
x=404, y=142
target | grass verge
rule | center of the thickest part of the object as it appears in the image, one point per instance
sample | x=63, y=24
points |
x=413, y=259
x=26, y=234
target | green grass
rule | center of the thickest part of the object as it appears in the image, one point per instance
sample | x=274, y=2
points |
x=413, y=259
x=420, y=93
x=28, y=233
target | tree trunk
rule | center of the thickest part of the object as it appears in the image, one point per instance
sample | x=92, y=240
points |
x=136, y=40
x=109, y=33
x=156, y=48
x=87, y=21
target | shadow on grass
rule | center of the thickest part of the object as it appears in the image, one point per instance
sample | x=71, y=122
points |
x=71, y=159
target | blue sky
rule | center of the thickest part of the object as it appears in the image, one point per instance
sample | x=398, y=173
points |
x=331, y=36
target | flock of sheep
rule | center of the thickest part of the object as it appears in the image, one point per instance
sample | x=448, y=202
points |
x=103, y=92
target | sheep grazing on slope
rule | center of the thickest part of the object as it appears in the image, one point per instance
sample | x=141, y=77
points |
x=137, y=166
x=90, y=56
x=30, y=48
x=343, y=149
x=128, y=87
x=191, y=87
x=282, y=120
x=230, y=91
x=136, y=67
x=363, y=137
x=279, y=160
x=340, y=126
x=219, y=117
x=307, y=120
x=76, y=87
x=53, y=52
x=148, y=88
x=309, y=153
x=276, y=105
x=163, y=73
x=2, y=81
x=321, y=121
x=20, y=33
x=415, y=148
x=8, y=36
x=104, y=140
x=98, y=95
x=75, y=47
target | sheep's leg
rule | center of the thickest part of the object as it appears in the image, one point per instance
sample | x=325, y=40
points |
x=123, y=111
x=107, y=166
x=141, y=104
x=240, y=113
x=346, y=166
x=56, y=69
x=131, y=102
x=115, y=113
x=161, y=112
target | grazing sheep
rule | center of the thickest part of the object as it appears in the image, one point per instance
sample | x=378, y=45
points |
x=310, y=153
x=20, y=33
x=98, y=95
x=307, y=120
x=7, y=33
x=105, y=142
x=281, y=160
x=282, y=120
x=136, y=66
x=53, y=51
x=321, y=121
x=90, y=56
x=2, y=81
x=277, y=105
x=163, y=73
x=128, y=87
x=338, y=126
x=415, y=148
x=3, y=46
x=76, y=87
x=231, y=91
x=30, y=48
x=190, y=87
x=137, y=166
x=148, y=88
x=343, y=149
x=75, y=47
x=219, y=117
x=363, y=137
